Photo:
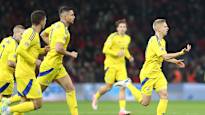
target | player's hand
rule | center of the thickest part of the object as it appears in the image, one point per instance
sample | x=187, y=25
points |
x=180, y=63
x=186, y=49
x=74, y=54
x=38, y=63
x=121, y=53
x=47, y=48
x=131, y=59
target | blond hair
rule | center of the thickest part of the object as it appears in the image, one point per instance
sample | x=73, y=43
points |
x=157, y=22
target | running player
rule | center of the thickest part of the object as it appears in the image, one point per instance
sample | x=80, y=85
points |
x=151, y=75
x=8, y=61
x=27, y=59
x=115, y=50
x=52, y=69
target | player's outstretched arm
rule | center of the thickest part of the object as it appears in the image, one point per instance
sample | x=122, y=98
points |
x=177, y=54
x=179, y=62
x=61, y=50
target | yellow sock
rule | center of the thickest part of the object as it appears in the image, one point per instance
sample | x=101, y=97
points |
x=22, y=107
x=162, y=106
x=14, y=98
x=97, y=95
x=72, y=102
x=135, y=92
x=16, y=113
x=122, y=104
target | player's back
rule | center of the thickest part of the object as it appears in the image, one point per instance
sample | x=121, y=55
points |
x=118, y=43
x=153, y=58
x=58, y=33
x=7, y=52
x=29, y=45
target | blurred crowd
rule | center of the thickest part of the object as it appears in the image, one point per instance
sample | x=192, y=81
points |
x=95, y=21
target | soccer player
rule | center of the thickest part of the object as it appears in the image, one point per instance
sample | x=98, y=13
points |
x=8, y=61
x=52, y=69
x=151, y=75
x=115, y=50
x=27, y=59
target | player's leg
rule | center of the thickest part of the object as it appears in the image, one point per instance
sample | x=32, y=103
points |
x=161, y=88
x=14, y=98
x=6, y=90
x=22, y=100
x=110, y=74
x=143, y=96
x=28, y=105
x=29, y=89
x=46, y=76
x=101, y=91
x=8, y=99
x=69, y=88
x=122, y=75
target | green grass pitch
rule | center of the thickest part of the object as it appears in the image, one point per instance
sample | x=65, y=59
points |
x=111, y=108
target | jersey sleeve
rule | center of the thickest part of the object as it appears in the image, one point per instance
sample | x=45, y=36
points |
x=12, y=53
x=47, y=30
x=107, y=46
x=158, y=48
x=59, y=33
x=25, y=44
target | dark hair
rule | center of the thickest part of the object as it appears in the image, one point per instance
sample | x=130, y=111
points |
x=64, y=9
x=120, y=21
x=37, y=16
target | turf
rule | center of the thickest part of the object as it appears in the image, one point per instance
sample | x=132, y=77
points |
x=111, y=108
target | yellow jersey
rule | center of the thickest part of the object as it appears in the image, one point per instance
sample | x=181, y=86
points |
x=7, y=53
x=153, y=57
x=27, y=53
x=112, y=46
x=58, y=33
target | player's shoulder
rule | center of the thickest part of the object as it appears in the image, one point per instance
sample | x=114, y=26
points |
x=112, y=35
x=127, y=36
x=58, y=25
x=152, y=39
x=7, y=40
x=29, y=33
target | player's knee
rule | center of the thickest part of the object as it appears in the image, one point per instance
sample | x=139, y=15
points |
x=145, y=102
x=109, y=85
x=164, y=95
x=69, y=88
x=37, y=103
